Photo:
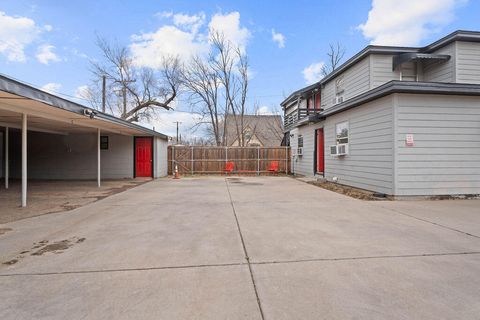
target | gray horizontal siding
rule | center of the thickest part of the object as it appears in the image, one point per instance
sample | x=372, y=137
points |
x=445, y=158
x=468, y=62
x=381, y=69
x=369, y=164
x=441, y=71
x=357, y=81
x=304, y=165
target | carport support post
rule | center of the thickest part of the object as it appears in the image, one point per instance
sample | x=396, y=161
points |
x=6, y=158
x=98, y=157
x=24, y=160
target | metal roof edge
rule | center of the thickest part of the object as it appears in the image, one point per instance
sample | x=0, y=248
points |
x=27, y=91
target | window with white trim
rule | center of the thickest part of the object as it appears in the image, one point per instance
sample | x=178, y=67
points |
x=341, y=130
x=339, y=90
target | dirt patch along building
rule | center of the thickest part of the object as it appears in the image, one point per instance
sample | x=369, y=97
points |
x=45, y=137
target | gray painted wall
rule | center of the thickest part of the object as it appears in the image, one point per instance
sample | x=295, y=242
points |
x=369, y=164
x=357, y=81
x=73, y=156
x=161, y=158
x=303, y=165
x=468, y=62
x=445, y=158
x=434, y=71
x=2, y=160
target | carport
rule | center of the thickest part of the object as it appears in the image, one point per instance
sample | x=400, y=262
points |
x=46, y=137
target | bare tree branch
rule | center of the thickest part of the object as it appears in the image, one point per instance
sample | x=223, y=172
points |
x=335, y=56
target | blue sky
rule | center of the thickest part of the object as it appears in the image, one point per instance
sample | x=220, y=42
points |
x=49, y=43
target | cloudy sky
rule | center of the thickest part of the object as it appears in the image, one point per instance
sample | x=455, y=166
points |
x=49, y=43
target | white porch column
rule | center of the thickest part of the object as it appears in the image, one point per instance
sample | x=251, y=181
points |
x=98, y=157
x=24, y=160
x=7, y=169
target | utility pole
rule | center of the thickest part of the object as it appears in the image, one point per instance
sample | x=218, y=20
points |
x=104, y=93
x=177, y=122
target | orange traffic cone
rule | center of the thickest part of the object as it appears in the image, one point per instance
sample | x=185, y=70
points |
x=176, y=175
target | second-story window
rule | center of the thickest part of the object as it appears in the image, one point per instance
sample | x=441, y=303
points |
x=300, y=141
x=339, y=90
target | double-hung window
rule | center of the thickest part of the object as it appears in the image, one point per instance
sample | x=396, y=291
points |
x=341, y=130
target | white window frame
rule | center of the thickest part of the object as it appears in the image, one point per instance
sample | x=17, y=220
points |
x=348, y=132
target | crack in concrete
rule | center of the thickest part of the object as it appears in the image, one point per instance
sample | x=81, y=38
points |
x=241, y=264
x=430, y=222
x=245, y=252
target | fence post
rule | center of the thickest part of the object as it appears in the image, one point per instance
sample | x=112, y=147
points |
x=173, y=159
x=191, y=165
x=258, y=161
x=226, y=156
x=286, y=160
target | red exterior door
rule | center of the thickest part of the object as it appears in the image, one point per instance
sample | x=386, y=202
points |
x=320, y=151
x=143, y=157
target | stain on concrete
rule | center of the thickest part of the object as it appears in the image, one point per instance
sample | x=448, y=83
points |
x=56, y=247
x=242, y=182
x=43, y=247
x=10, y=262
x=5, y=230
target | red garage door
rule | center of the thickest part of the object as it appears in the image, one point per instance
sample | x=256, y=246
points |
x=143, y=157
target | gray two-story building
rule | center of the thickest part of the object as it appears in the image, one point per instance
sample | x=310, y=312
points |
x=403, y=121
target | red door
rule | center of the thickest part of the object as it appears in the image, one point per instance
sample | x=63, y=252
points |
x=143, y=157
x=320, y=151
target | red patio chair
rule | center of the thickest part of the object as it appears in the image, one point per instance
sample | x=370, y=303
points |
x=229, y=167
x=273, y=167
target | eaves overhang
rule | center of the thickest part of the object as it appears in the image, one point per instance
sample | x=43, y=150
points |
x=29, y=92
x=397, y=86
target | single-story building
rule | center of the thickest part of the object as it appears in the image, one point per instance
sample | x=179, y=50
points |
x=43, y=136
x=402, y=121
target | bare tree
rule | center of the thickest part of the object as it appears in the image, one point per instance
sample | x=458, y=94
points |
x=218, y=87
x=133, y=93
x=335, y=57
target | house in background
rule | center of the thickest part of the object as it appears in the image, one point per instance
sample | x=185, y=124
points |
x=50, y=138
x=403, y=121
x=259, y=131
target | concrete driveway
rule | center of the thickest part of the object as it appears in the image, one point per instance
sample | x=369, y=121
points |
x=243, y=248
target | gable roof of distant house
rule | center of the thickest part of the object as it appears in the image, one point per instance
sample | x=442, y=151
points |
x=459, y=35
x=27, y=91
x=266, y=128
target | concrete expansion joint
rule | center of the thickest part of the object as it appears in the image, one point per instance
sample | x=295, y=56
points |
x=260, y=309
x=431, y=222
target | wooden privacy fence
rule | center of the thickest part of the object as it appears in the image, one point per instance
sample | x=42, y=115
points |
x=212, y=160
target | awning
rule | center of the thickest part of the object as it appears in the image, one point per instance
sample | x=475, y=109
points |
x=409, y=56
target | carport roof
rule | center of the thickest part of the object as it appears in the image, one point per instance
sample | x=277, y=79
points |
x=56, y=114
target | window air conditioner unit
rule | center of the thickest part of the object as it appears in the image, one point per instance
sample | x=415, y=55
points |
x=339, y=150
x=333, y=150
x=342, y=149
x=300, y=152
x=338, y=99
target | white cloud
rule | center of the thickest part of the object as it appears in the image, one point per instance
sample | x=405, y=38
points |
x=264, y=110
x=278, y=38
x=82, y=92
x=185, y=38
x=313, y=72
x=52, y=87
x=15, y=34
x=149, y=48
x=229, y=25
x=191, y=23
x=45, y=54
x=163, y=14
x=392, y=23
x=165, y=123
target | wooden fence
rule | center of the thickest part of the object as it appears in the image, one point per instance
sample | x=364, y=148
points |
x=192, y=160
